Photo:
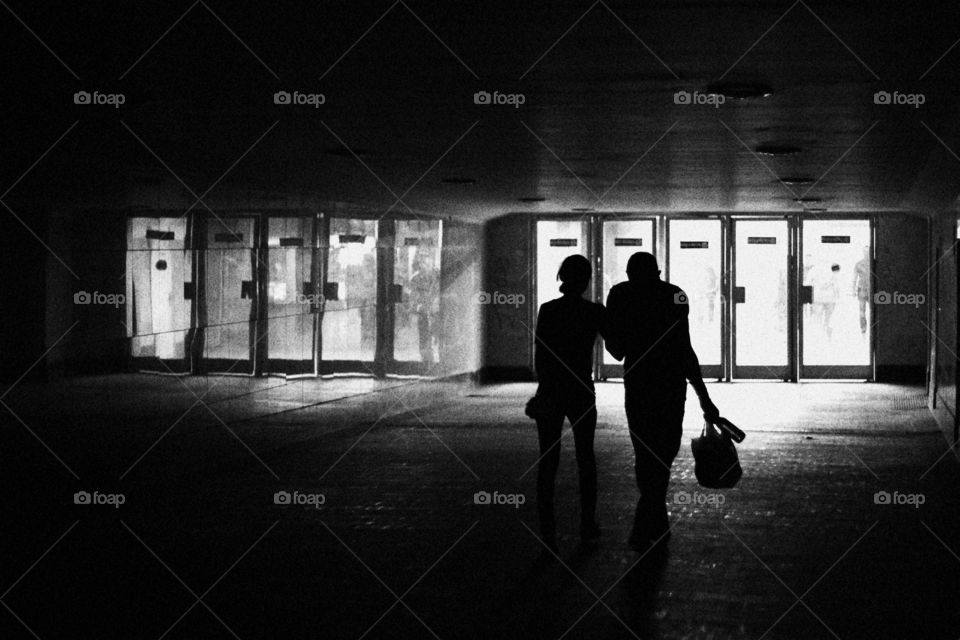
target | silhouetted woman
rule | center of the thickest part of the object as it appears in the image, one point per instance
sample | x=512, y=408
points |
x=567, y=329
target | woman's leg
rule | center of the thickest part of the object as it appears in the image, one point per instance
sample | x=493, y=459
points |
x=548, y=430
x=583, y=417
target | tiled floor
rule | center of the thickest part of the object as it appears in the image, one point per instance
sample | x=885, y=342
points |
x=398, y=549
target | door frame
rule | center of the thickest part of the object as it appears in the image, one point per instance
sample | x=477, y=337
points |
x=391, y=365
x=288, y=368
x=718, y=372
x=374, y=367
x=602, y=370
x=853, y=372
x=215, y=366
x=186, y=364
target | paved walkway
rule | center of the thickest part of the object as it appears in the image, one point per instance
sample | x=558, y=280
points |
x=399, y=549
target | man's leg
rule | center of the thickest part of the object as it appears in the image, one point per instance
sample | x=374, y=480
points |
x=655, y=431
x=583, y=415
x=549, y=429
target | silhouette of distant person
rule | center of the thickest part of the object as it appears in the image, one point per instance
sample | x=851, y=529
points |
x=566, y=333
x=826, y=295
x=648, y=328
x=861, y=286
x=424, y=300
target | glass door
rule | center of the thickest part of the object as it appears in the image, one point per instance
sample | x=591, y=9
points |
x=557, y=239
x=415, y=299
x=229, y=297
x=293, y=300
x=695, y=265
x=349, y=319
x=159, y=293
x=620, y=239
x=836, y=299
x=760, y=299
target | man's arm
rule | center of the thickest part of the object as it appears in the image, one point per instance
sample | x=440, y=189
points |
x=691, y=369
x=609, y=329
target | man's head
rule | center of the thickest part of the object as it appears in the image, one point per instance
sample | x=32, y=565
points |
x=642, y=267
x=574, y=274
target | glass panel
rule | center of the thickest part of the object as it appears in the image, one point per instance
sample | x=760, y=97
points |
x=158, y=265
x=417, y=270
x=761, y=270
x=695, y=267
x=836, y=264
x=621, y=239
x=229, y=302
x=557, y=239
x=290, y=294
x=350, y=321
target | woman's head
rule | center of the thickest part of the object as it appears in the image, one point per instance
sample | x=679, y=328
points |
x=574, y=274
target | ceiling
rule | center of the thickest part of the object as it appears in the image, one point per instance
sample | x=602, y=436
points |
x=599, y=128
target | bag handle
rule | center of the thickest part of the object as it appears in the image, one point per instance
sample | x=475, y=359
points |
x=710, y=430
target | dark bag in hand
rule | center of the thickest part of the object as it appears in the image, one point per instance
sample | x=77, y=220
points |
x=537, y=407
x=716, y=463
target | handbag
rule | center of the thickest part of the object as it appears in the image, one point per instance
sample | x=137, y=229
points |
x=716, y=463
x=537, y=407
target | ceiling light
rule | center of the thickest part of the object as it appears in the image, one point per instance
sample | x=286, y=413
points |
x=797, y=180
x=777, y=149
x=740, y=90
x=815, y=210
x=582, y=209
x=807, y=200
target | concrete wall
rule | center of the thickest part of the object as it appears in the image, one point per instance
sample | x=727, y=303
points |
x=943, y=320
x=901, y=266
x=509, y=319
x=461, y=276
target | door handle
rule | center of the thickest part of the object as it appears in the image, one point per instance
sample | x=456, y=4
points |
x=806, y=294
x=395, y=292
x=331, y=290
x=739, y=295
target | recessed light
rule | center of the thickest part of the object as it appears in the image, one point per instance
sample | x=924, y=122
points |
x=740, y=90
x=797, y=180
x=458, y=180
x=815, y=210
x=777, y=149
x=582, y=209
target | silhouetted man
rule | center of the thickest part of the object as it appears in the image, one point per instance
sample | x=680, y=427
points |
x=648, y=329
